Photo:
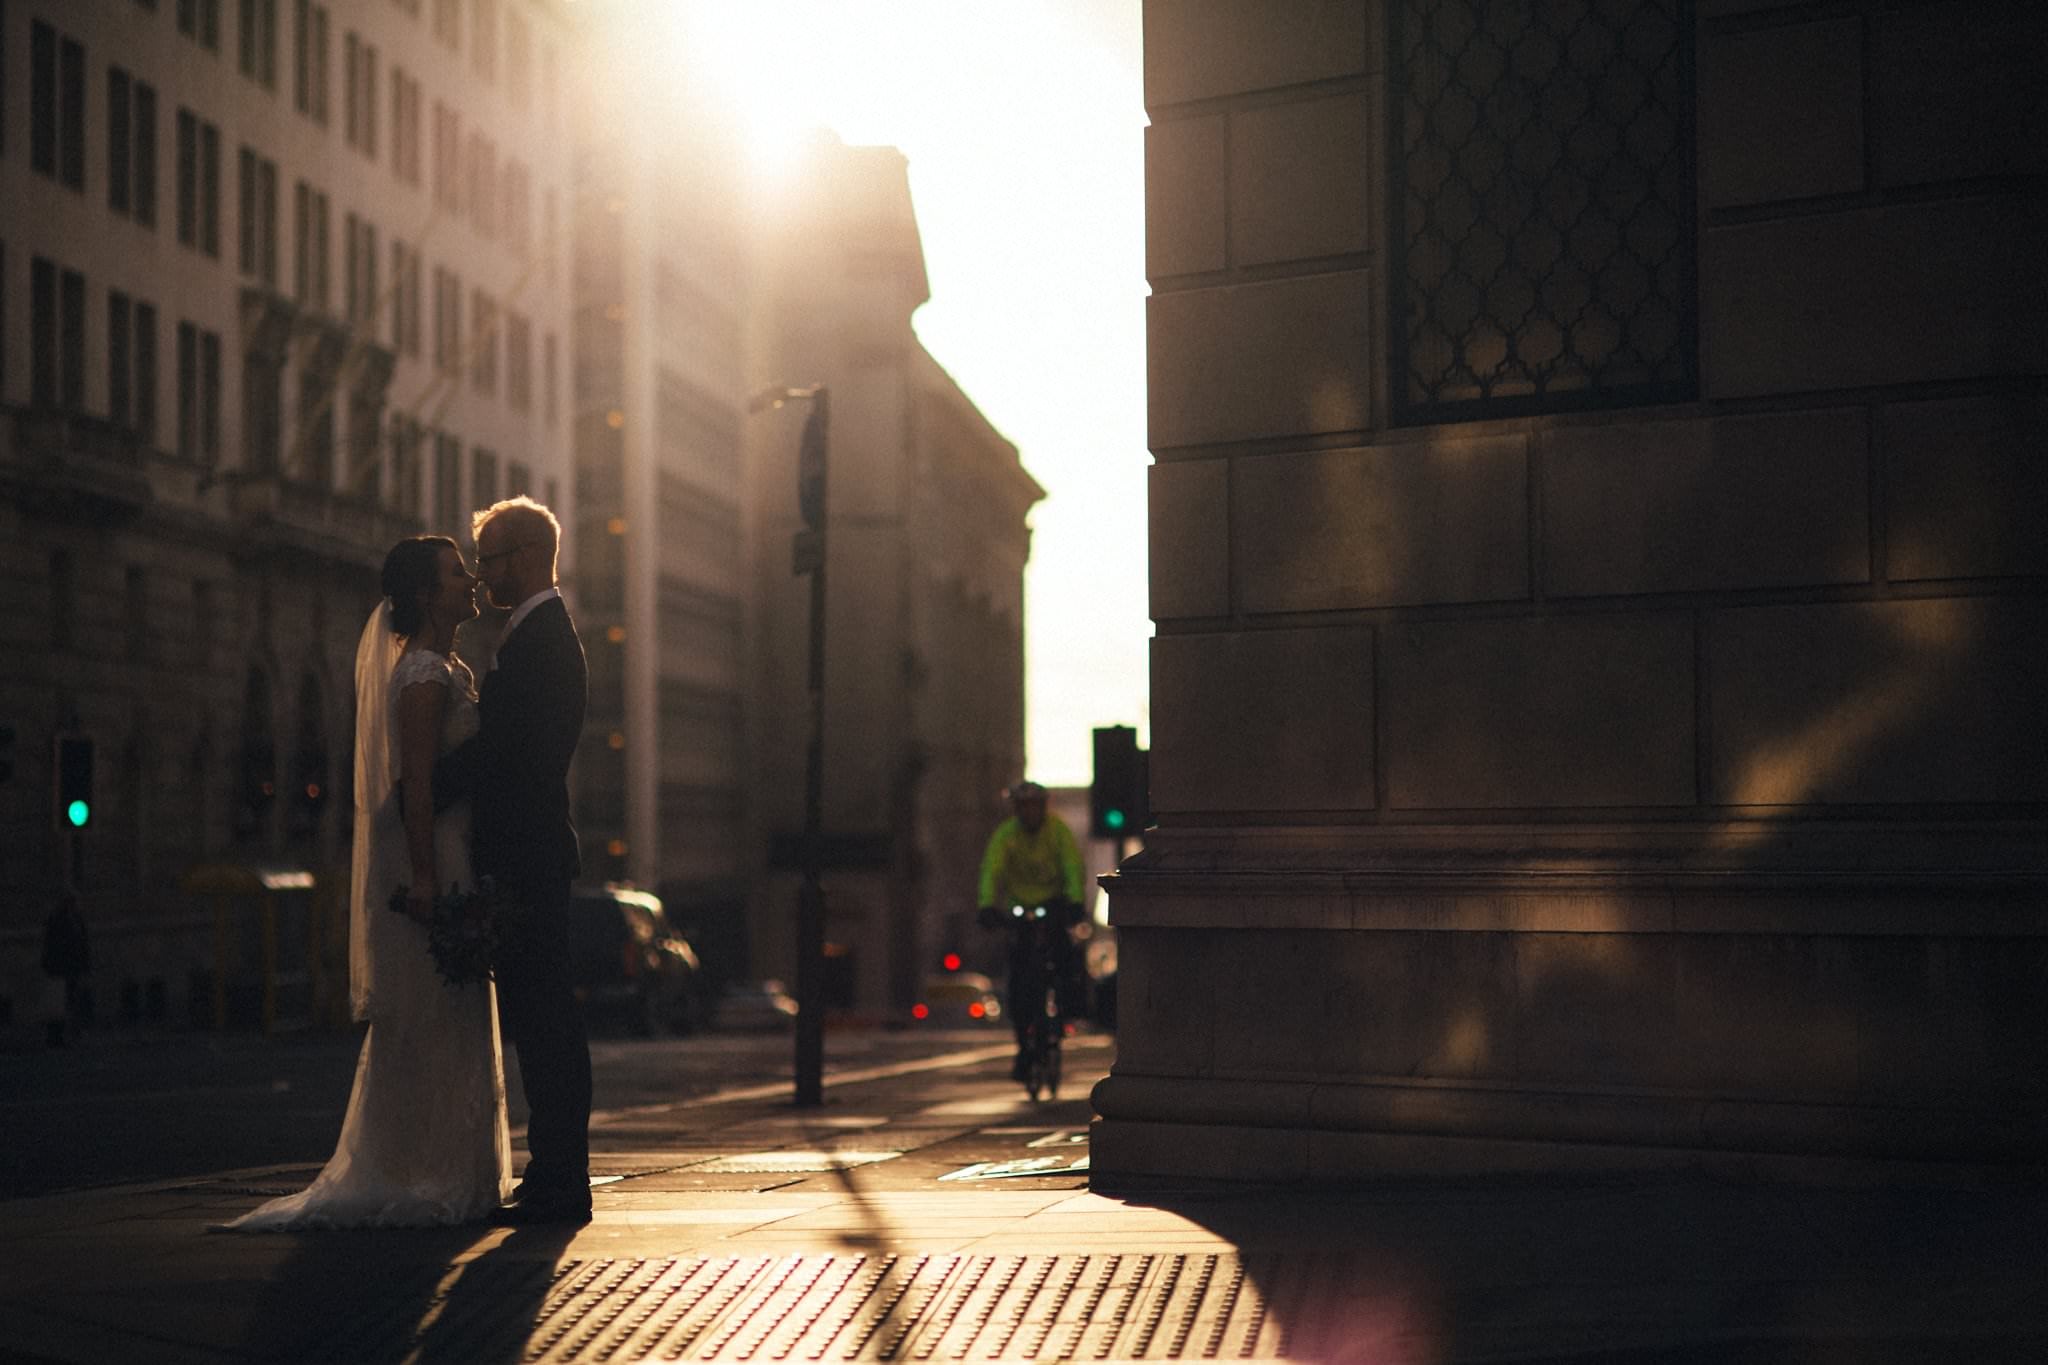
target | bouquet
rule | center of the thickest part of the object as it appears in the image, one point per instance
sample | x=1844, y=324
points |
x=465, y=930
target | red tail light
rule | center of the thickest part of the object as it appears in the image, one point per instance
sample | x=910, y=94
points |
x=919, y=1011
x=975, y=1009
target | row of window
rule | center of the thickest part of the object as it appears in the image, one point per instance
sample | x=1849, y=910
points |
x=459, y=485
x=487, y=41
x=57, y=374
x=256, y=32
x=57, y=360
x=469, y=181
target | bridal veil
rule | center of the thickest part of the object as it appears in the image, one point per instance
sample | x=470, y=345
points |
x=369, y=880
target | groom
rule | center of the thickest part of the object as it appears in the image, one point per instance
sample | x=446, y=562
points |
x=516, y=772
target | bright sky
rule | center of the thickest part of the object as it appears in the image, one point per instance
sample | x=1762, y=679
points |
x=1023, y=121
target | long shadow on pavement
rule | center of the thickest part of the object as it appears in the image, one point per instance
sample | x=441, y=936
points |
x=351, y=1295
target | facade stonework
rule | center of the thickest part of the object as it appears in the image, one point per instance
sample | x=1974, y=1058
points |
x=1590, y=780
x=272, y=296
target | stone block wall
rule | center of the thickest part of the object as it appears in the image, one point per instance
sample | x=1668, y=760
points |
x=1620, y=764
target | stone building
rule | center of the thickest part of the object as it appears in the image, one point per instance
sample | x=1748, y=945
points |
x=280, y=282
x=927, y=542
x=661, y=287
x=1598, y=536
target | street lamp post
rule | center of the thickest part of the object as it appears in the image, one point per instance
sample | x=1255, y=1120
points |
x=808, y=556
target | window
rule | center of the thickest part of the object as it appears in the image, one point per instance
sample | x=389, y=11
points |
x=365, y=439
x=145, y=372
x=360, y=97
x=309, y=61
x=483, y=365
x=56, y=106
x=1543, y=209
x=262, y=409
x=198, y=183
x=447, y=321
x=483, y=477
x=447, y=157
x=483, y=185
x=258, y=47
x=199, y=20
x=362, y=272
x=198, y=393
x=518, y=207
x=405, y=465
x=547, y=379
x=56, y=335
x=71, y=340
x=448, y=480
x=259, y=217
x=405, y=126
x=309, y=282
x=119, y=141
x=405, y=299
x=315, y=462
x=131, y=365
x=120, y=359
x=519, y=361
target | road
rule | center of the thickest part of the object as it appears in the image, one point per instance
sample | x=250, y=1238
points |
x=112, y=1110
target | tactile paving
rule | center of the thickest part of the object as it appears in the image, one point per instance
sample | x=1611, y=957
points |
x=882, y=1307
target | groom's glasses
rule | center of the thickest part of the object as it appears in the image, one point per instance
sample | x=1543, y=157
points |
x=483, y=558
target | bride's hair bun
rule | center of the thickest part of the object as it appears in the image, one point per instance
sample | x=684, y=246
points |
x=412, y=569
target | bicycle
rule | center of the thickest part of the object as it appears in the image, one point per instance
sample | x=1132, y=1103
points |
x=1045, y=1025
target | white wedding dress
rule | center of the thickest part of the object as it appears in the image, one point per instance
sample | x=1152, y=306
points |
x=425, y=1140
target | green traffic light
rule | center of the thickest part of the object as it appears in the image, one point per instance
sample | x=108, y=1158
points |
x=78, y=813
x=1113, y=818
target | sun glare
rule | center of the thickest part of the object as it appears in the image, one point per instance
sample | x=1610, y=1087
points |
x=1022, y=125
x=764, y=68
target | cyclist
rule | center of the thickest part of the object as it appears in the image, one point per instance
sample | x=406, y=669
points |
x=1032, y=861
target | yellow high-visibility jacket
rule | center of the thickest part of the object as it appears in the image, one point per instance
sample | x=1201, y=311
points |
x=1021, y=868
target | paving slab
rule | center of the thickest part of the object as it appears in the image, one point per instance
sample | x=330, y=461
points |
x=883, y=1261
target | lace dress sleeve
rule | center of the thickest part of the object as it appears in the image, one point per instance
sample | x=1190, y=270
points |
x=420, y=666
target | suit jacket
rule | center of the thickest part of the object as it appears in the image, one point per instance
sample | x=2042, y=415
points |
x=516, y=769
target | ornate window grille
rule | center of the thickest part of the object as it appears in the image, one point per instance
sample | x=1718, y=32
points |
x=1543, y=224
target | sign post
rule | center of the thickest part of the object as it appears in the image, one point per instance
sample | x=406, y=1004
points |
x=807, y=556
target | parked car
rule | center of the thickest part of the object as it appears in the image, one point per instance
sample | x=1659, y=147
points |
x=952, y=999
x=754, y=1007
x=629, y=964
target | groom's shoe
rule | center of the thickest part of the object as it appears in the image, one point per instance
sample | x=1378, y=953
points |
x=538, y=1207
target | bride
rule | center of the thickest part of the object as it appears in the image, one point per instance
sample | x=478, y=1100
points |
x=424, y=1141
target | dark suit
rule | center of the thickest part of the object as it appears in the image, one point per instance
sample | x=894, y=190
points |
x=516, y=774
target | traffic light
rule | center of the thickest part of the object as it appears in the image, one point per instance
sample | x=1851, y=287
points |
x=1116, y=799
x=74, y=782
x=6, y=752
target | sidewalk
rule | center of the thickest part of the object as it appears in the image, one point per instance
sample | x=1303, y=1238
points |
x=740, y=1229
